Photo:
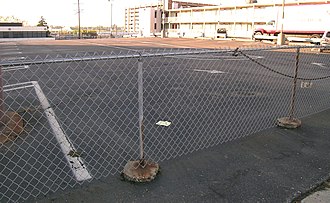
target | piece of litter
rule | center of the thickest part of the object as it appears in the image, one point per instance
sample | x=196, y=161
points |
x=163, y=123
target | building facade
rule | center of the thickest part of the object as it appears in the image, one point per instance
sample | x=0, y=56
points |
x=17, y=30
x=133, y=18
x=238, y=18
x=146, y=20
x=150, y=21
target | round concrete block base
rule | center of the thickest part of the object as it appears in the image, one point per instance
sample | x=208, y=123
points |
x=287, y=122
x=140, y=171
x=10, y=127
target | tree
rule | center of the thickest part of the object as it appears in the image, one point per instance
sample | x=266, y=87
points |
x=42, y=22
x=9, y=19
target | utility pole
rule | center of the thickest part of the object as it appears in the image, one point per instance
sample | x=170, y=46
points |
x=281, y=36
x=2, y=108
x=163, y=20
x=110, y=17
x=79, y=30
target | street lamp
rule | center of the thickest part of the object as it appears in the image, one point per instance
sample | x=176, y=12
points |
x=79, y=30
x=281, y=36
x=110, y=17
x=163, y=20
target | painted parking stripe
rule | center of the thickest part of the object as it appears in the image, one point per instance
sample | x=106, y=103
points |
x=322, y=65
x=13, y=68
x=9, y=49
x=7, y=89
x=105, y=45
x=243, y=59
x=17, y=86
x=210, y=71
x=13, y=58
x=10, y=53
x=76, y=163
x=164, y=44
x=214, y=58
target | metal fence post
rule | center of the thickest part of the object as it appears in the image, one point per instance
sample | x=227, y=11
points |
x=140, y=101
x=294, y=87
x=291, y=122
x=140, y=170
x=2, y=108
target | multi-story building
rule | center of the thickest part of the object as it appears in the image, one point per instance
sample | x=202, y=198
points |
x=239, y=18
x=146, y=20
x=143, y=13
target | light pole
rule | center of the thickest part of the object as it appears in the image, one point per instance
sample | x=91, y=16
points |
x=2, y=108
x=163, y=20
x=79, y=30
x=281, y=36
x=110, y=17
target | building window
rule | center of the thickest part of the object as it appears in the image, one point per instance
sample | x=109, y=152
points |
x=155, y=26
x=17, y=34
x=155, y=14
x=174, y=26
x=6, y=35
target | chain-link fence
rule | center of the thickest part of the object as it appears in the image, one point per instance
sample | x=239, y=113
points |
x=76, y=118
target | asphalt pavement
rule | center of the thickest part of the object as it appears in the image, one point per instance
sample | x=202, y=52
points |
x=210, y=99
x=275, y=165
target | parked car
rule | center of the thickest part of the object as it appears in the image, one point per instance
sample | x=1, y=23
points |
x=222, y=32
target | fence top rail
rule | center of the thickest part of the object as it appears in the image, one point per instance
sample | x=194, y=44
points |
x=143, y=54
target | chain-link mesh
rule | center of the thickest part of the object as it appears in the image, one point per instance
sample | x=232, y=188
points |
x=81, y=113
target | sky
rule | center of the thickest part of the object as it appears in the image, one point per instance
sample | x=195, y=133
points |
x=64, y=12
x=93, y=12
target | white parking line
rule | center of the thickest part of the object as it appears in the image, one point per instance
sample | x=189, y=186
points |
x=9, y=49
x=170, y=45
x=17, y=86
x=76, y=163
x=13, y=58
x=210, y=71
x=243, y=59
x=104, y=45
x=13, y=68
x=322, y=65
x=214, y=58
x=10, y=53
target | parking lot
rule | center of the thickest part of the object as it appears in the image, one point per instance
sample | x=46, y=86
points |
x=81, y=96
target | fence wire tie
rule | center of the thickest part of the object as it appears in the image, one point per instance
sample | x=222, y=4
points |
x=140, y=57
x=236, y=52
